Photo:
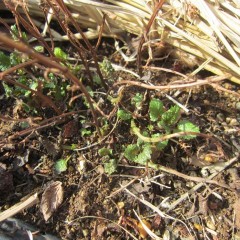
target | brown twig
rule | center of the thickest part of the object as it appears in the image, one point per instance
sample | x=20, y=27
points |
x=14, y=68
x=29, y=25
x=100, y=32
x=29, y=202
x=146, y=31
x=201, y=183
x=36, y=127
x=69, y=16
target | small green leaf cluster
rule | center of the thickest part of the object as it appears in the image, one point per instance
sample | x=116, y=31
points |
x=61, y=165
x=141, y=152
x=169, y=119
x=106, y=68
x=54, y=86
x=162, y=122
x=123, y=115
x=110, y=163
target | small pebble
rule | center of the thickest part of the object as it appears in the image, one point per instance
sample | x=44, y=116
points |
x=85, y=232
x=228, y=119
x=237, y=106
x=220, y=117
x=210, y=224
x=233, y=122
x=205, y=172
x=224, y=124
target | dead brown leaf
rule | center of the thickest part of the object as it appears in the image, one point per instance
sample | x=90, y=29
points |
x=52, y=197
x=157, y=222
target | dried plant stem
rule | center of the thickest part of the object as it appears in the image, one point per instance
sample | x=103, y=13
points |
x=193, y=83
x=69, y=16
x=202, y=29
x=29, y=202
x=144, y=35
x=202, y=183
x=36, y=127
x=136, y=131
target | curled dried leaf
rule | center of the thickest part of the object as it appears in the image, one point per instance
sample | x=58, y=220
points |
x=52, y=197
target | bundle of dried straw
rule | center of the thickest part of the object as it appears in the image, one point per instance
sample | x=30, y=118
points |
x=205, y=30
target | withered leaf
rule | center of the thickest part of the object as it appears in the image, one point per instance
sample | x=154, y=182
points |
x=52, y=197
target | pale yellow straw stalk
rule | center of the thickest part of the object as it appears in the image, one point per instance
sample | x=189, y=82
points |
x=206, y=29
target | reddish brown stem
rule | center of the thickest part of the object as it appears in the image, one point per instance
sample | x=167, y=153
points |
x=146, y=31
x=61, y=4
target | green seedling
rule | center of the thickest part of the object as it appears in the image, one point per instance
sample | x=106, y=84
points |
x=61, y=165
x=5, y=62
x=104, y=152
x=137, y=100
x=110, y=164
x=110, y=167
x=155, y=110
x=16, y=35
x=59, y=53
x=106, y=68
x=123, y=115
x=149, y=142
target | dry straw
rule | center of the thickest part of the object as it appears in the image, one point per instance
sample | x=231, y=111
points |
x=205, y=31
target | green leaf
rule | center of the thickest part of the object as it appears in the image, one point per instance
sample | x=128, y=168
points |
x=61, y=166
x=138, y=154
x=144, y=156
x=97, y=80
x=106, y=67
x=73, y=146
x=15, y=58
x=15, y=33
x=39, y=48
x=131, y=151
x=104, y=152
x=5, y=62
x=85, y=132
x=59, y=53
x=137, y=100
x=170, y=117
x=122, y=114
x=155, y=109
x=8, y=90
x=110, y=167
x=24, y=125
x=33, y=85
x=160, y=145
x=187, y=126
x=26, y=108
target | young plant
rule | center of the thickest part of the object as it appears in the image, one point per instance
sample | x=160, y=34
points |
x=110, y=163
x=61, y=165
x=164, y=123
